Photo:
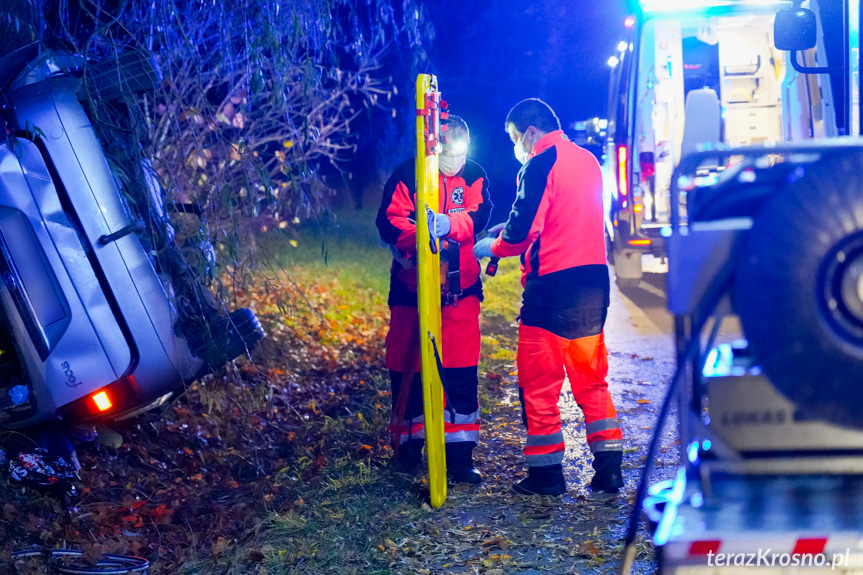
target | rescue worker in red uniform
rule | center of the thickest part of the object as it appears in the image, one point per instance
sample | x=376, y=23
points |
x=555, y=226
x=464, y=210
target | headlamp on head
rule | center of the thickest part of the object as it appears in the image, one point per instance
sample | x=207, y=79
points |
x=453, y=156
x=455, y=143
x=455, y=147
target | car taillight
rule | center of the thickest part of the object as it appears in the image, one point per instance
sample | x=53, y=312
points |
x=101, y=401
x=639, y=242
x=118, y=395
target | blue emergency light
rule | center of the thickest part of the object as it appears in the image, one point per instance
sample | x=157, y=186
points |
x=656, y=6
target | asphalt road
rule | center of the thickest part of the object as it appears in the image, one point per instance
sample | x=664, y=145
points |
x=639, y=335
x=638, y=318
x=582, y=531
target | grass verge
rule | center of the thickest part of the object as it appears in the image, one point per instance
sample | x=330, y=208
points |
x=356, y=516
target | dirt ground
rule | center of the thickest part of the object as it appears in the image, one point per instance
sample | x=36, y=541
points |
x=282, y=466
x=580, y=532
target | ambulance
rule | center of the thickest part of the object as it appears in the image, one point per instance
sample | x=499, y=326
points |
x=737, y=151
x=689, y=74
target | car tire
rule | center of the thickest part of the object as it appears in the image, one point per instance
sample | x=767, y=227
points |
x=799, y=290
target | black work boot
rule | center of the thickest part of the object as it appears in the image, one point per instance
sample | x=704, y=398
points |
x=542, y=480
x=608, y=477
x=459, y=462
x=410, y=456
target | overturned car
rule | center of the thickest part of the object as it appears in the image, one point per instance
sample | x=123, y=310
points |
x=101, y=317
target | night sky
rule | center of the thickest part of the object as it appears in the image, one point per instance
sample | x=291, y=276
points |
x=489, y=55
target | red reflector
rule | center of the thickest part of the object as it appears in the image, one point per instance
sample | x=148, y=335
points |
x=644, y=242
x=102, y=401
x=647, y=165
x=704, y=547
x=814, y=546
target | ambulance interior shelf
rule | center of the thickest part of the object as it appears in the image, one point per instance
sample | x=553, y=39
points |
x=738, y=70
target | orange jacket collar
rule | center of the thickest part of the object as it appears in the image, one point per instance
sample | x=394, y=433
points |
x=547, y=141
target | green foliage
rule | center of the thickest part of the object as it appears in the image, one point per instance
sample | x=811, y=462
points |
x=18, y=24
x=258, y=108
x=345, y=241
x=503, y=291
x=255, y=117
x=261, y=97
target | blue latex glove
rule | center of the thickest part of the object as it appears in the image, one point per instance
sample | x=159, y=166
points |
x=442, y=225
x=496, y=230
x=482, y=249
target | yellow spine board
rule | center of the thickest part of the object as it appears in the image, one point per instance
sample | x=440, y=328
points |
x=428, y=287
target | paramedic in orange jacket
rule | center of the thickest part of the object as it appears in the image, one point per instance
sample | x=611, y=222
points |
x=555, y=226
x=463, y=212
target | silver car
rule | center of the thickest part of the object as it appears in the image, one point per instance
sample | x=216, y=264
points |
x=91, y=320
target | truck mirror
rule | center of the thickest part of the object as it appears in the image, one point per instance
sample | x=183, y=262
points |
x=794, y=29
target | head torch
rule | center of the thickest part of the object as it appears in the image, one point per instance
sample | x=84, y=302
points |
x=455, y=147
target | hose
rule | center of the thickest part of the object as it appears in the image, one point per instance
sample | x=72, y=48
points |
x=108, y=564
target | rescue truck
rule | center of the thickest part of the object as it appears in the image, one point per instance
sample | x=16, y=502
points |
x=763, y=229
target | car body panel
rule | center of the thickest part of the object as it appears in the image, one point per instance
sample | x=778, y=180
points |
x=58, y=188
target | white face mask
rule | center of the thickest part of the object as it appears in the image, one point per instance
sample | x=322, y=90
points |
x=451, y=165
x=521, y=154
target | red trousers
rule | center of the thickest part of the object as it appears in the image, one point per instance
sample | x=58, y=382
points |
x=544, y=361
x=460, y=355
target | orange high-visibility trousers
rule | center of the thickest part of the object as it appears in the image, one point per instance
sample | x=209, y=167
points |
x=544, y=360
x=461, y=346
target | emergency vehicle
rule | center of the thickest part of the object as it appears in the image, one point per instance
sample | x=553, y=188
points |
x=696, y=73
x=763, y=228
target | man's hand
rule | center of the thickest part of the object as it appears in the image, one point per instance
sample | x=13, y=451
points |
x=441, y=225
x=482, y=249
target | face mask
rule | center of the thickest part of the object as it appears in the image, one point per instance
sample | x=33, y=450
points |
x=521, y=154
x=451, y=165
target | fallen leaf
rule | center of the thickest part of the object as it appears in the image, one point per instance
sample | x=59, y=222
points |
x=588, y=549
x=219, y=546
